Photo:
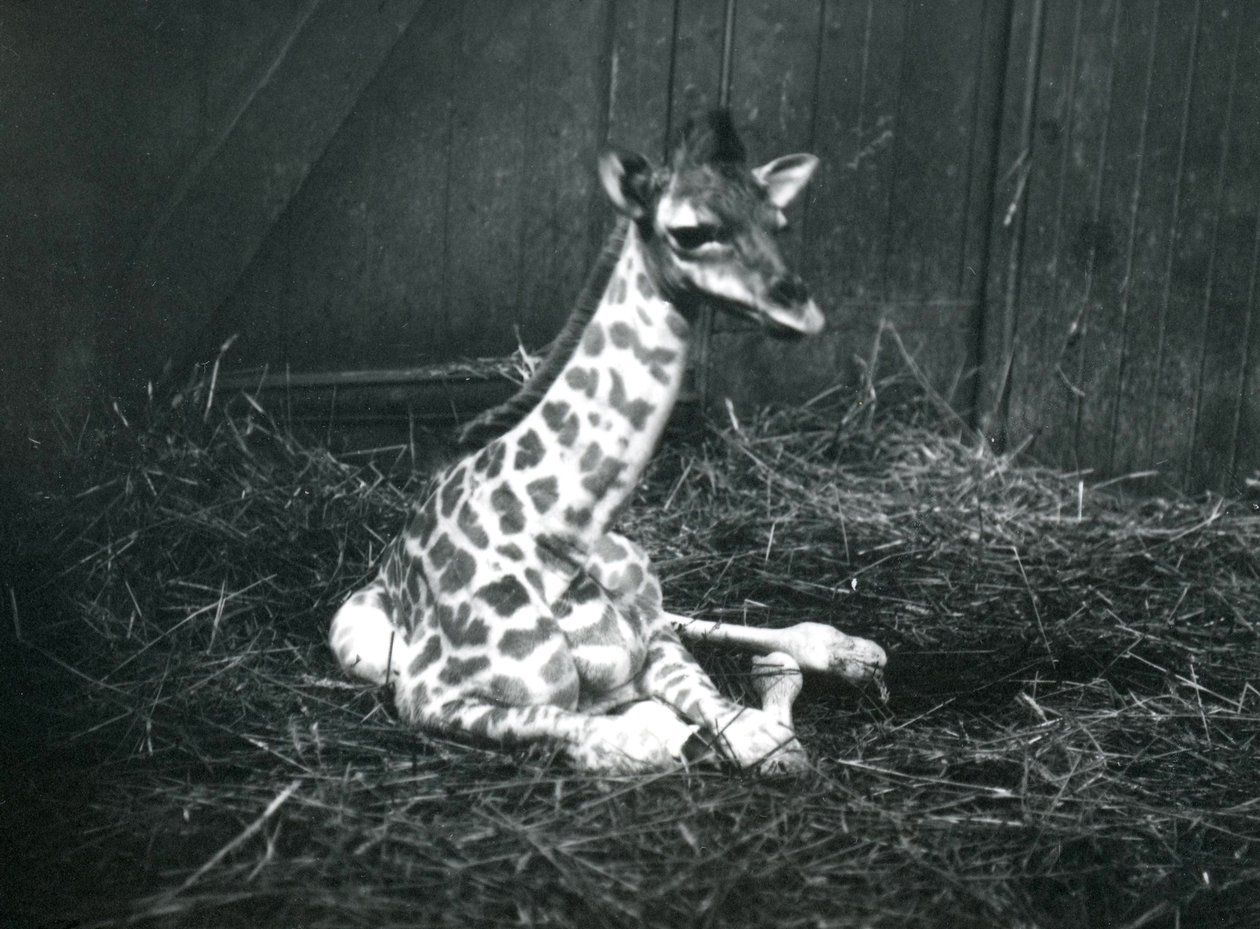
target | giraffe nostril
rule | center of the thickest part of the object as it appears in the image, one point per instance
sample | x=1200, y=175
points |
x=789, y=290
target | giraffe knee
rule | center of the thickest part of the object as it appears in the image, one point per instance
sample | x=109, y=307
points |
x=623, y=569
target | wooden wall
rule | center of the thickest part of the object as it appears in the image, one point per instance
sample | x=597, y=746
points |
x=457, y=208
x=1124, y=289
x=1058, y=196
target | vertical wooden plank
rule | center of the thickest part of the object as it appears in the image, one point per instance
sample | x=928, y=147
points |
x=1244, y=451
x=1063, y=191
x=935, y=121
x=1188, y=274
x=697, y=62
x=1017, y=153
x=565, y=123
x=1227, y=297
x=1102, y=346
x=1157, y=218
x=991, y=61
x=483, y=217
x=855, y=124
x=639, y=83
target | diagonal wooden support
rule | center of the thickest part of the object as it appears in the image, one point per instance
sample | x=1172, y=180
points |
x=220, y=211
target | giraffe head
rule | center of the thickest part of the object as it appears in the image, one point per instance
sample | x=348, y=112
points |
x=709, y=224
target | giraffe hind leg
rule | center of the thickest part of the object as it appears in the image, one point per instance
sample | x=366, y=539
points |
x=364, y=638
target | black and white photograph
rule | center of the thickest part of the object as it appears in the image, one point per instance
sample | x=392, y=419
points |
x=782, y=464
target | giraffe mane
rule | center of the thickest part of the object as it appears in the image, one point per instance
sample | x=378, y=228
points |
x=494, y=422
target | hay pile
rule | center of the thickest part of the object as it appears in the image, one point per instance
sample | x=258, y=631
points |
x=1071, y=739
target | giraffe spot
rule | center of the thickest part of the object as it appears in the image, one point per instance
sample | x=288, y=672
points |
x=505, y=596
x=677, y=678
x=633, y=617
x=561, y=420
x=511, y=552
x=489, y=460
x=617, y=290
x=636, y=411
x=659, y=374
x=557, y=551
x=414, y=701
x=566, y=692
x=608, y=549
x=440, y=552
x=392, y=569
x=452, y=490
x=521, y=643
x=645, y=286
x=553, y=414
x=458, y=670
x=578, y=517
x=431, y=652
x=593, y=339
x=459, y=573
x=584, y=589
x=480, y=726
x=591, y=457
x=461, y=629
x=543, y=493
x=650, y=594
x=644, y=317
x=529, y=451
x=470, y=525
x=631, y=578
x=416, y=590
x=606, y=631
x=534, y=579
x=558, y=667
x=508, y=506
x=685, y=700
x=420, y=526
x=593, y=418
x=678, y=325
x=584, y=380
x=624, y=336
x=509, y=691
x=604, y=477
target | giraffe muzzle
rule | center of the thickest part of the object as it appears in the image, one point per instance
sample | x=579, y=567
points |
x=790, y=311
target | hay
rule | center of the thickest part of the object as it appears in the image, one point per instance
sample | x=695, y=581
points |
x=1070, y=741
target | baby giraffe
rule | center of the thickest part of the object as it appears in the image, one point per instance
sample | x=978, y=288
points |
x=508, y=610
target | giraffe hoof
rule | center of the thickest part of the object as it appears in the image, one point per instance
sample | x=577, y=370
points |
x=755, y=739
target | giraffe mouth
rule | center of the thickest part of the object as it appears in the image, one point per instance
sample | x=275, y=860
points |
x=798, y=321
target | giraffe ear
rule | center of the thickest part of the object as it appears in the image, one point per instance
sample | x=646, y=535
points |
x=627, y=179
x=785, y=177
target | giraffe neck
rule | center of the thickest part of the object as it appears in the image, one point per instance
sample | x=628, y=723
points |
x=600, y=420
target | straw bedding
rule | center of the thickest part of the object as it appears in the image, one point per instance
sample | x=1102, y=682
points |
x=1071, y=738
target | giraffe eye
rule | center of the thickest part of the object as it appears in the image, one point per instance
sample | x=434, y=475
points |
x=690, y=238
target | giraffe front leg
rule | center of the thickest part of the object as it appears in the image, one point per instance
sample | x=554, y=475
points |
x=752, y=738
x=646, y=738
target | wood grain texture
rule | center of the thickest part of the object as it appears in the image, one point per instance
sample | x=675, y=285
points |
x=1061, y=192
